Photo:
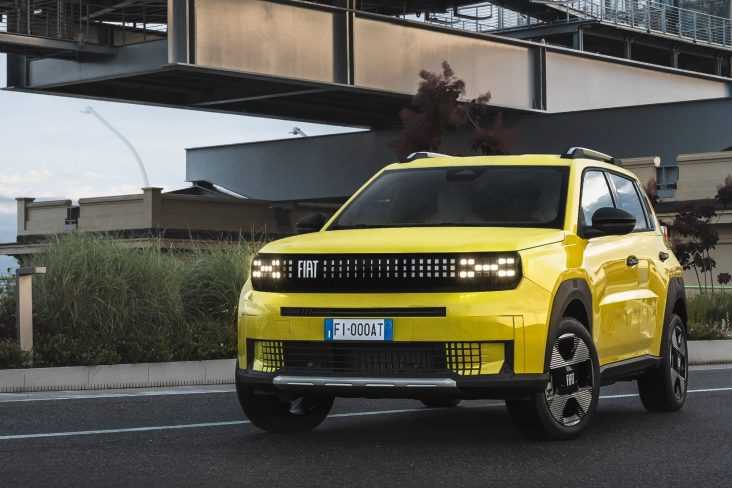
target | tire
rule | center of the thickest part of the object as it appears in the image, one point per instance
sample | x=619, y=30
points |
x=440, y=402
x=565, y=408
x=272, y=414
x=664, y=388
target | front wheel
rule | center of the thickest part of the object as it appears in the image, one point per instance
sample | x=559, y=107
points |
x=566, y=406
x=664, y=388
x=273, y=414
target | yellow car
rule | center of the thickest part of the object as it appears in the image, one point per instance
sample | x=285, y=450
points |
x=534, y=278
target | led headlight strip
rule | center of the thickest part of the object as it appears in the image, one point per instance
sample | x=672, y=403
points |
x=267, y=267
x=502, y=267
x=381, y=273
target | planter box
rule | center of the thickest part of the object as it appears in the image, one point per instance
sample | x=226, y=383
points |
x=710, y=352
x=143, y=375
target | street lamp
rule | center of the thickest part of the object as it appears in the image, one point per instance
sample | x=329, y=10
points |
x=91, y=111
x=296, y=131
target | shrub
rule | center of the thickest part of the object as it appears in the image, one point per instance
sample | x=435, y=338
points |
x=104, y=302
x=11, y=356
x=7, y=313
x=709, y=316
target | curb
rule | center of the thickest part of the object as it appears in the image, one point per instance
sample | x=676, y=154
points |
x=115, y=376
x=211, y=372
x=710, y=352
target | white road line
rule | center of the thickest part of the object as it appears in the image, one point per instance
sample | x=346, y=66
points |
x=244, y=422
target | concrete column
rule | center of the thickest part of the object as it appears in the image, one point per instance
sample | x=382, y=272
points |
x=152, y=201
x=181, y=42
x=23, y=213
x=343, y=42
x=24, y=305
x=578, y=39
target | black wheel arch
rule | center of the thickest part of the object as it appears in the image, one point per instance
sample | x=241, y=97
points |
x=675, y=301
x=573, y=299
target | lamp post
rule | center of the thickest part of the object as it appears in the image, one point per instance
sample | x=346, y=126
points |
x=296, y=131
x=91, y=111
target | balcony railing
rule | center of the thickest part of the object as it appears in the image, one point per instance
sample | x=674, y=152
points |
x=643, y=15
x=78, y=20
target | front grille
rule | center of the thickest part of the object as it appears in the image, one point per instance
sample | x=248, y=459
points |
x=386, y=273
x=392, y=359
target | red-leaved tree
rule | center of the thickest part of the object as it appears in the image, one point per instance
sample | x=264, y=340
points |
x=724, y=192
x=694, y=239
x=439, y=107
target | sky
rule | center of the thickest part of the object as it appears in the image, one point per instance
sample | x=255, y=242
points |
x=50, y=150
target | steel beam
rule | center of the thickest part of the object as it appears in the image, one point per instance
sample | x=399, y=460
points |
x=38, y=45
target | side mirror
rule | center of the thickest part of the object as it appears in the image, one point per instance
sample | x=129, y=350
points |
x=311, y=223
x=611, y=221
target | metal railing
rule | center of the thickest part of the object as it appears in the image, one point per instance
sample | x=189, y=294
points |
x=481, y=18
x=78, y=20
x=643, y=15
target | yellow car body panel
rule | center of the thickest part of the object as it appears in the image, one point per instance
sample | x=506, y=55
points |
x=628, y=302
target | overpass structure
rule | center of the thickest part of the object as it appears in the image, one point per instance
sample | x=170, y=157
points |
x=339, y=61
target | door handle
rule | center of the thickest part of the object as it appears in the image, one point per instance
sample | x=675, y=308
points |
x=631, y=261
x=663, y=256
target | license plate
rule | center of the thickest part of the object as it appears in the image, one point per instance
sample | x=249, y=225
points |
x=359, y=329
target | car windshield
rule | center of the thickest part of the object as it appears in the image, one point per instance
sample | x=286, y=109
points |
x=488, y=196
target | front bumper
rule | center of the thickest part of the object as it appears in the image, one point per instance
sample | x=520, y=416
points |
x=503, y=385
x=517, y=318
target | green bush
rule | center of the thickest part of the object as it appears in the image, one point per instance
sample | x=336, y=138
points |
x=709, y=316
x=7, y=313
x=11, y=356
x=105, y=302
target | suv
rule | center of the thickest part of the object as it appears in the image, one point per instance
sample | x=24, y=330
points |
x=535, y=279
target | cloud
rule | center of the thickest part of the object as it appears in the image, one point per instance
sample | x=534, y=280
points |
x=93, y=175
x=32, y=176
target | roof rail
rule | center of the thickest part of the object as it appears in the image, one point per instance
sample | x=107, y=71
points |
x=423, y=154
x=583, y=152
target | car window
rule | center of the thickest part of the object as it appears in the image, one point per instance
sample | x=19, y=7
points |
x=629, y=200
x=595, y=194
x=489, y=196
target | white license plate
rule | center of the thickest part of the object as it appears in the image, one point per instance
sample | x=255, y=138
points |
x=359, y=329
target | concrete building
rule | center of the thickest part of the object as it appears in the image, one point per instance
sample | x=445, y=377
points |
x=197, y=217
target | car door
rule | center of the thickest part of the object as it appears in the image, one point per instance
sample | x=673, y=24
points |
x=613, y=277
x=644, y=248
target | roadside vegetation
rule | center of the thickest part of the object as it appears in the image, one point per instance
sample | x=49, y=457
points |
x=102, y=302
x=709, y=315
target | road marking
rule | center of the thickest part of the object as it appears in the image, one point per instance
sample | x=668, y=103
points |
x=244, y=422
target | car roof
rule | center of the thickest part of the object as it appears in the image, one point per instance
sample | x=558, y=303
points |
x=439, y=161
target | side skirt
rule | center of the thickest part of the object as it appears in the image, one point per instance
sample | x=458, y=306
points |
x=627, y=369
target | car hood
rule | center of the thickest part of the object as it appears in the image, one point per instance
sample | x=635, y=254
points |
x=416, y=240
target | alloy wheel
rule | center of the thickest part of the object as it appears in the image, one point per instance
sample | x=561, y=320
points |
x=678, y=358
x=570, y=389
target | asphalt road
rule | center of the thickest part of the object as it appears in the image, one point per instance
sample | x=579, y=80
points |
x=199, y=437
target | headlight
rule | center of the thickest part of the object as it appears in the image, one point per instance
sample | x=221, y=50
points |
x=386, y=273
x=477, y=267
x=266, y=268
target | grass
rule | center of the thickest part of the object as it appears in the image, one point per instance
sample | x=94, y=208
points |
x=709, y=315
x=102, y=302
